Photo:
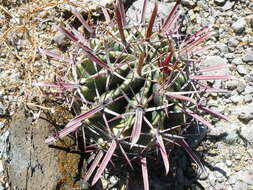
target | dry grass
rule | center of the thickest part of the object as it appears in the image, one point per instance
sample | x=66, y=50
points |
x=27, y=28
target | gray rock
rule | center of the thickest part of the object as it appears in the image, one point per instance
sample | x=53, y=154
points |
x=248, y=98
x=235, y=99
x=233, y=179
x=222, y=47
x=242, y=70
x=222, y=170
x=240, y=87
x=229, y=163
x=1, y=125
x=246, y=116
x=203, y=5
x=247, y=132
x=251, y=6
x=228, y=5
x=247, y=176
x=238, y=156
x=248, y=90
x=217, y=84
x=1, y=187
x=215, y=60
x=1, y=166
x=251, y=22
x=4, y=144
x=164, y=9
x=250, y=151
x=239, y=185
x=230, y=130
x=229, y=56
x=61, y=40
x=237, y=61
x=212, y=179
x=32, y=164
x=2, y=109
x=233, y=42
x=239, y=26
x=248, y=56
x=231, y=85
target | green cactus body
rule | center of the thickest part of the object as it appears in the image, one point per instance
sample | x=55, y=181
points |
x=136, y=91
x=137, y=88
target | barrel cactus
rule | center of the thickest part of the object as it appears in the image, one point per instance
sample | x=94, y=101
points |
x=140, y=87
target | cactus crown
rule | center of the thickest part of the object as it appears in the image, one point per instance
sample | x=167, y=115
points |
x=140, y=87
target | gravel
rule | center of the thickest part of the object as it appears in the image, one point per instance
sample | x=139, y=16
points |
x=227, y=147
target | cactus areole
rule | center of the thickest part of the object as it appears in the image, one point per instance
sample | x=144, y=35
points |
x=139, y=84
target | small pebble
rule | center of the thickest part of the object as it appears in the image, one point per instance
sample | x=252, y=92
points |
x=242, y=70
x=248, y=58
x=237, y=61
x=220, y=2
x=229, y=163
x=240, y=87
x=228, y=5
x=238, y=157
x=245, y=116
x=239, y=26
x=231, y=85
x=235, y=99
x=248, y=98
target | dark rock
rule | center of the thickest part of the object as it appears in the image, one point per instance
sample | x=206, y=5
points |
x=220, y=2
x=189, y=3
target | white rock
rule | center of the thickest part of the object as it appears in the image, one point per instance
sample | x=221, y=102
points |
x=248, y=56
x=1, y=166
x=247, y=132
x=247, y=176
x=239, y=26
x=242, y=70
